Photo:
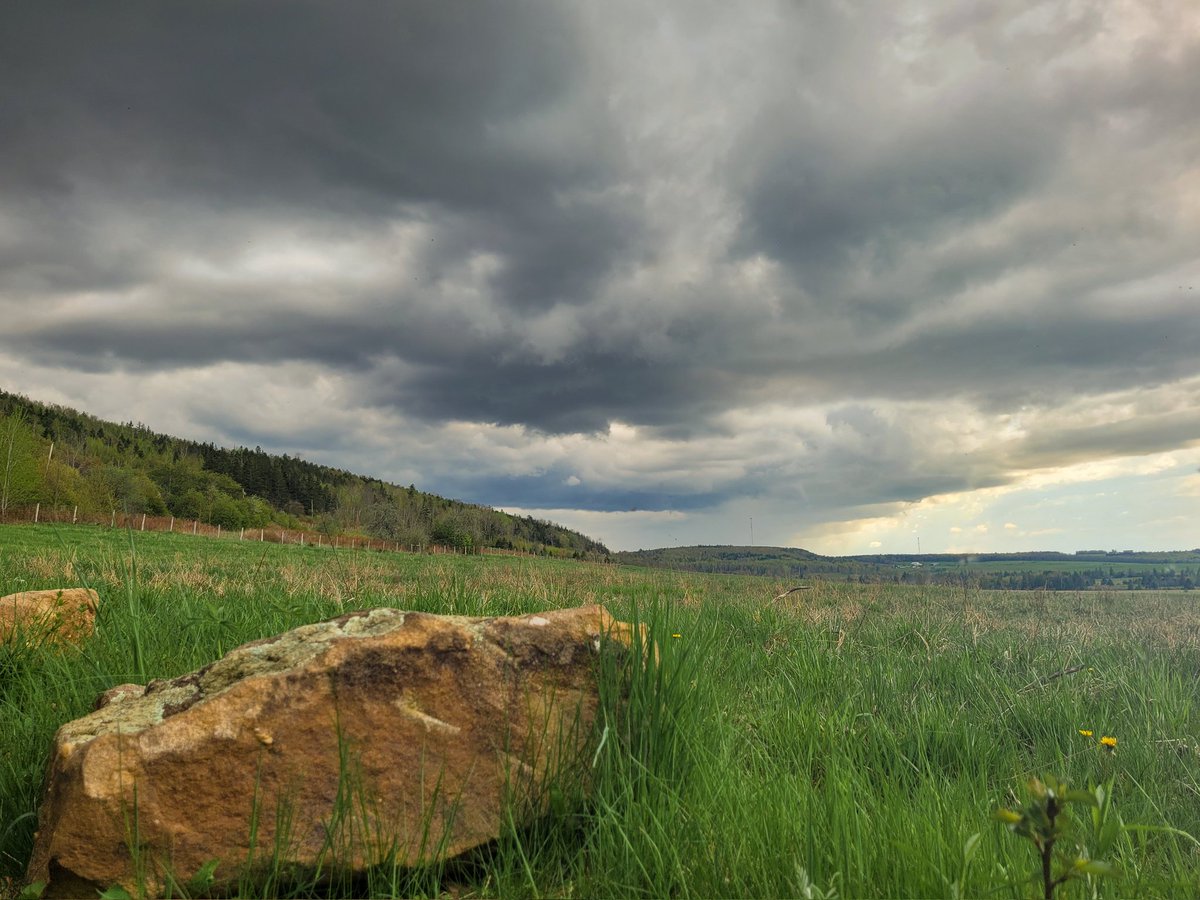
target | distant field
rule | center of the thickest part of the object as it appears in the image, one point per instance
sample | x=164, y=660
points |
x=845, y=740
x=1015, y=571
x=1135, y=568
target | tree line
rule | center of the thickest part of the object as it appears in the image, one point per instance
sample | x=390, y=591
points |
x=64, y=459
x=1125, y=570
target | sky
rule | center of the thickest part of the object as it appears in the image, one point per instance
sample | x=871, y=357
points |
x=848, y=276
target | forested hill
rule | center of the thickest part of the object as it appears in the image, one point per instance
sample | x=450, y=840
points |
x=781, y=562
x=99, y=466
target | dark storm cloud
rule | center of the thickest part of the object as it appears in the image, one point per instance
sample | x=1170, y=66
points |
x=824, y=209
x=98, y=344
x=849, y=184
x=1002, y=362
x=313, y=110
x=382, y=100
x=564, y=217
x=582, y=394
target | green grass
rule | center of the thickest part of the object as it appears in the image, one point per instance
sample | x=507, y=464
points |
x=848, y=739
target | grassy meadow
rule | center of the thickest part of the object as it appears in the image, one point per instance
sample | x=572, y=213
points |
x=846, y=740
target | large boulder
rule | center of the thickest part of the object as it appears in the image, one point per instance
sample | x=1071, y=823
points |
x=379, y=736
x=61, y=615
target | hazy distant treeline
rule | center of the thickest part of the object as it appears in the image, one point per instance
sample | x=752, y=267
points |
x=1047, y=570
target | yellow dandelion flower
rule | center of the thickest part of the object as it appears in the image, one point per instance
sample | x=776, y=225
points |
x=677, y=635
x=1085, y=732
x=1108, y=743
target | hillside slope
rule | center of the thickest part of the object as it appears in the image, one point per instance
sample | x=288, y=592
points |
x=62, y=458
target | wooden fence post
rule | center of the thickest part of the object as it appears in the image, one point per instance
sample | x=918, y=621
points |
x=195, y=525
x=37, y=511
x=75, y=516
x=242, y=534
x=143, y=528
x=113, y=523
x=218, y=531
x=171, y=527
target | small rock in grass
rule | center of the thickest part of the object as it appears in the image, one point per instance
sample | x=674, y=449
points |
x=59, y=616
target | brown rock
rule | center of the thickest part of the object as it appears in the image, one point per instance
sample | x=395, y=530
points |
x=62, y=615
x=378, y=735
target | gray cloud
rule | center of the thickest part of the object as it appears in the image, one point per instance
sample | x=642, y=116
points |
x=539, y=216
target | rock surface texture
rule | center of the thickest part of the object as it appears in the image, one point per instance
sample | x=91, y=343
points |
x=377, y=736
x=61, y=616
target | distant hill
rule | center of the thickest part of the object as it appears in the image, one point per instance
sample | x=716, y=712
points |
x=97, y=466
x=778, y=561
x=1041, y=570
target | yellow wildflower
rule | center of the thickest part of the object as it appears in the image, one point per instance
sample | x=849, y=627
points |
x=1085, y=732
x=677, y=635
x=1108, y=743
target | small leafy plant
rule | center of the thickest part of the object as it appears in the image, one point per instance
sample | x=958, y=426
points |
x=1063, y=851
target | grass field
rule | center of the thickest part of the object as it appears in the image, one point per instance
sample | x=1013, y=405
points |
x=847, y=740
